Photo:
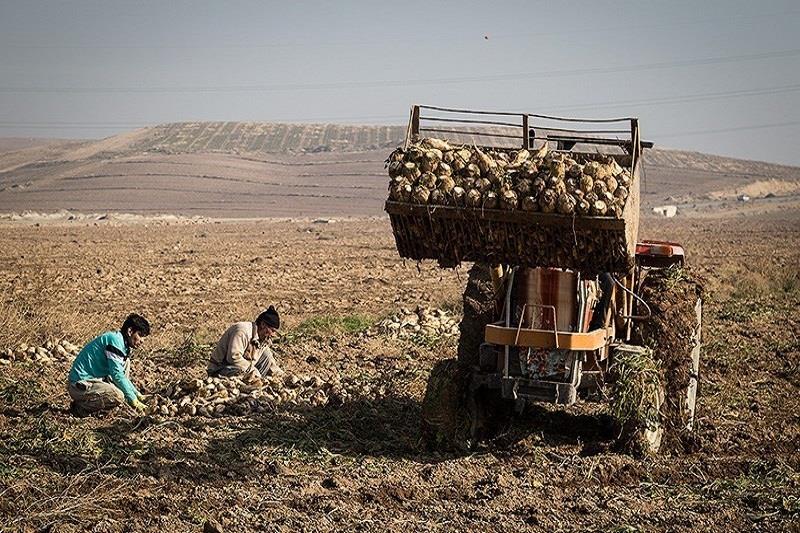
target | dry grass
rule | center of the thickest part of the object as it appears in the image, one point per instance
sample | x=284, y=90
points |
x=637, y=381
x=83, y=497
x=39, y=312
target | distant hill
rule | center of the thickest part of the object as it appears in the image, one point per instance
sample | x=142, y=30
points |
x=244, y=169
x=267, y=138
x=13, y=144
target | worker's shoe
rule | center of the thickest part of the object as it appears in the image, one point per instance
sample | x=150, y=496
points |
x=76, y=410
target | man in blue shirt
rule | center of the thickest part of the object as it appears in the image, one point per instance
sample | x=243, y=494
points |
x=98, y=379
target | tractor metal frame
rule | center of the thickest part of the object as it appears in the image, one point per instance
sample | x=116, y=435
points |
x=589, y=351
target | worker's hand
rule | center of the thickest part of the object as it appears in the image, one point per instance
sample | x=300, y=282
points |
x=249, y=353
x=142, y=397
x=139, y=407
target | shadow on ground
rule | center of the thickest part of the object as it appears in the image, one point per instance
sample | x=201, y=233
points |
x=552, y=427
x=247, y=446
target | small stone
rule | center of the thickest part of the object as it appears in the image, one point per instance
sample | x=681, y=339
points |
x=331, y=483
x=212, y=526
x=277, y=468
x=319, y=398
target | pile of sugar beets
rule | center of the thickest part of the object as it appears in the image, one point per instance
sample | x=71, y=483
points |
x=49, y=352
x=431, y=171
x=421, y=322
x=216, y=396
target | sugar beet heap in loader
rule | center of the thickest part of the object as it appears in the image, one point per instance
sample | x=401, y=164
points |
x=561, y=302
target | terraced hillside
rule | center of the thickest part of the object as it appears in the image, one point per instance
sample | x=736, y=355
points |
x=269, y=138
x=238, y=169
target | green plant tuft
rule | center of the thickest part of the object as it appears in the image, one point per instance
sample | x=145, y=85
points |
x=327, y=326
x=637, y=380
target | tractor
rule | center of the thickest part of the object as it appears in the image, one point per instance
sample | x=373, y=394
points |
x=550, y=313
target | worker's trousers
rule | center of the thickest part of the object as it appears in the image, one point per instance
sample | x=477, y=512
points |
x=97, y=394
x=94, y=395
x=265, y=366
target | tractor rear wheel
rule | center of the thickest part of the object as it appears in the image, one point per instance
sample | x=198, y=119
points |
x=479, y=310
x=457, y=416
x=446, y=424
x=489, y=412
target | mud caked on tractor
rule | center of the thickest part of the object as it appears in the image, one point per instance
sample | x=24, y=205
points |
x=562, y=302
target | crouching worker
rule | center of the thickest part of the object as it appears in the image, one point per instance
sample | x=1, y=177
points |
x=243, y=349
x=99, y=378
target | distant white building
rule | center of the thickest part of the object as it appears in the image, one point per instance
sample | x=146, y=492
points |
x=744, y=198
x=668, y=211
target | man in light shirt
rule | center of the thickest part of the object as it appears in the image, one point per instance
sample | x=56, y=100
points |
x=244, y=349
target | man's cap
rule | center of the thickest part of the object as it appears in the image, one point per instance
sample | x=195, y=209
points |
x=270, y=317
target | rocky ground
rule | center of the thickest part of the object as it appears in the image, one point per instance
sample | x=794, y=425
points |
x=335, y=444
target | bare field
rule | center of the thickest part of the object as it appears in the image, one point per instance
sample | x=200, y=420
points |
x=219, y=185
x=360, y=465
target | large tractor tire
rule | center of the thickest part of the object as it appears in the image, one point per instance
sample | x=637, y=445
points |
x=489, y=414
x=479, y=310
x=446, y=424
x=456, y=415
x=673, y=332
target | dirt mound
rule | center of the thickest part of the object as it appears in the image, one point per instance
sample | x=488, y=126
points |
x=671, y=295
x=765, y=187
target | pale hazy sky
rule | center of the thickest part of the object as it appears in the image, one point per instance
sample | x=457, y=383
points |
x=715, y=76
